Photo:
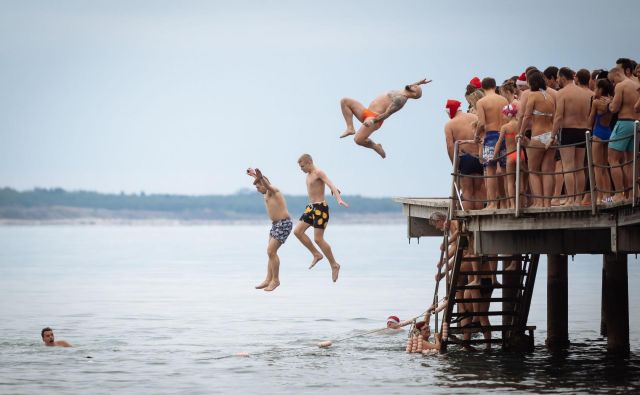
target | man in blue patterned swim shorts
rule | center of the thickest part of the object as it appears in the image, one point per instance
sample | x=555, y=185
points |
x=280, y=229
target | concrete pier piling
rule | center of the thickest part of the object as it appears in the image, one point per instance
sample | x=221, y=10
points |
x=616, y=302
x=557, y=302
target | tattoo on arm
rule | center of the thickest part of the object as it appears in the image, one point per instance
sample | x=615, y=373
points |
x=397, y=102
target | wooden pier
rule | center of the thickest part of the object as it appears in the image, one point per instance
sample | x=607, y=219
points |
x=612, y=231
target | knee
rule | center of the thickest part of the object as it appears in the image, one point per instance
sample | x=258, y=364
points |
x=272, y=253
x=298, y=233
x=318, y=239
x=359, y=139
x=344, y=101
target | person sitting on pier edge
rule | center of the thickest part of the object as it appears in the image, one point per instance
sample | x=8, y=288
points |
x=459, y=128
x=626, y=95
x=488, y=130
x=393, y=322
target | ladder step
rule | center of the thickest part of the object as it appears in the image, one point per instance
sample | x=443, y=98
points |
x=495, y=258
x=494, y=286
x=484, y=314
x=487, y=300
x=489, y=272
x=473, y=341
x=493, y=328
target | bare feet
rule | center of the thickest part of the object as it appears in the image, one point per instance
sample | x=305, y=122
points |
x=335, y=270
x=491, y=206
x=263, y=284
x=348, y=132
x=379, y=150
x=555, y=202
x=316, y=259
x=474, y=282
x=272, y=285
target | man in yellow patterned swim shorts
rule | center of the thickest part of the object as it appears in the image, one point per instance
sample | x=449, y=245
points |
x=316, y=214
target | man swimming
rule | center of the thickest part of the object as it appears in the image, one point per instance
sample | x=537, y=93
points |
x=379, y=109
x=280, y=228
x=316, y=214
x=49, y=340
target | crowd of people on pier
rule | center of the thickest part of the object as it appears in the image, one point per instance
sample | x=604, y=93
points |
x=549, y=112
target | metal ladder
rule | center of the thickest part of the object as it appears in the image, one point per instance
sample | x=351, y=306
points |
x=516, y=288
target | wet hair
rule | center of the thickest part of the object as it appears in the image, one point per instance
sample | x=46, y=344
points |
x=470, y=90
x=305, y=158
x=437, y=216
x=47, y=329
x=488, y=83
x=537, y=82
x=583, y=76
x=551, y=72
x=566, y=73
x=625, y=63
x=605, y=86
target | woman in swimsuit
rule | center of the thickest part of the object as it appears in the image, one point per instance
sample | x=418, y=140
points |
x=540, y=111
x=508, y=135
x=600, y=118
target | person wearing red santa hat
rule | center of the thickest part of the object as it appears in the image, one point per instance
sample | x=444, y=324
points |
x=460, y=128
x=393, y=322
x=373, y=116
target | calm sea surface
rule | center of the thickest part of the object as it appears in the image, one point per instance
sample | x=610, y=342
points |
x=164, y=310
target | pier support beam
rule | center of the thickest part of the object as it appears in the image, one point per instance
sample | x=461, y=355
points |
x=603, y=303
x=616, y=302
x=557, y=302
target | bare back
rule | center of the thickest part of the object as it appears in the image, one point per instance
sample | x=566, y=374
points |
x=544, y=103
x=461, y=128
x=490, y=111
x=576, y=105
x=628, y=90
x=315, y=186
x=382, y=102
x=276, y=206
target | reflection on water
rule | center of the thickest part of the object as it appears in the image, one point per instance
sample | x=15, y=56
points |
x=166, y=310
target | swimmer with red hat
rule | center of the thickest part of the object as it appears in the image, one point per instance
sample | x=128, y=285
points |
x=373, y=116
x=393, y=322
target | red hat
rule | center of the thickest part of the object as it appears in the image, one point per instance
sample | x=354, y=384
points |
x=522, y=80
x=394, y=319
x=452, y=107
x=510, y=110
x=475, y=81
x=420, y=324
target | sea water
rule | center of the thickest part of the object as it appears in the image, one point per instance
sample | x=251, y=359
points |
x=165, y=309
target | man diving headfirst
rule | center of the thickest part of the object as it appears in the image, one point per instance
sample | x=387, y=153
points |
x=379, y=109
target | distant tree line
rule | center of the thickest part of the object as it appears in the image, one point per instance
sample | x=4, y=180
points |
x=240, y=203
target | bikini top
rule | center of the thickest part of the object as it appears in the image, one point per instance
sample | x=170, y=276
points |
x=544, y=114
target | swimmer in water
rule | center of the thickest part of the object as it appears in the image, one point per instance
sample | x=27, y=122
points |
x=49, y=341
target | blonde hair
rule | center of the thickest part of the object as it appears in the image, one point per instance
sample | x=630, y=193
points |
x=305, y=158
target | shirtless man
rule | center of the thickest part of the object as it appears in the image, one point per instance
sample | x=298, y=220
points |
x=379, y=109
x=626, y=95
x=280, y=228
x=459, y=128
x=488, y=131
x=49, y=341
x=573, y=104
x=316, y=214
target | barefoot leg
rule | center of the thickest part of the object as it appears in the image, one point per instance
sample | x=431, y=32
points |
x=274, y=264
x=301, y=227
x=318, y=237
x=350, y=108
x=362, y=138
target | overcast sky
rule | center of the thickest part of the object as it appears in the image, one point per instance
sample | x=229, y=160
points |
x=182, y=96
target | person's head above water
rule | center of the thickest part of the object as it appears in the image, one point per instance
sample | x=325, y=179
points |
x=452, y=107
x=47, y=336
x=393, y=322
x=424, y=329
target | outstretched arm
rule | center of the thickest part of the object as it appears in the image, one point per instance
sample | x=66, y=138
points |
x=421, y=82
x=334, y=191
x=264, y=182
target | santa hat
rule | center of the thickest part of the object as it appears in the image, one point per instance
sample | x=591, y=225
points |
x=522, y=80
x=475, y=81
x=394, y=319
x=452, y=107
x=420, y=324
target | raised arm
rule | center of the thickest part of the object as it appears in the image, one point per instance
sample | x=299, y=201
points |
x=265, y=182
x=334, y=190
x=421, y=82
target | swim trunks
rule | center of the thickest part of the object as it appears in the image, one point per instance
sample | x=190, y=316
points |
x=281, y=229
x=572, y=136
x=366, y=113
x=316, y=215
x=469, y=164
x=543, y=138
x=512, y=157
x=488, y=148
x=623, y=128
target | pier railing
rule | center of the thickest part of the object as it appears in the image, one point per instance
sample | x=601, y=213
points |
x=458, y=199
